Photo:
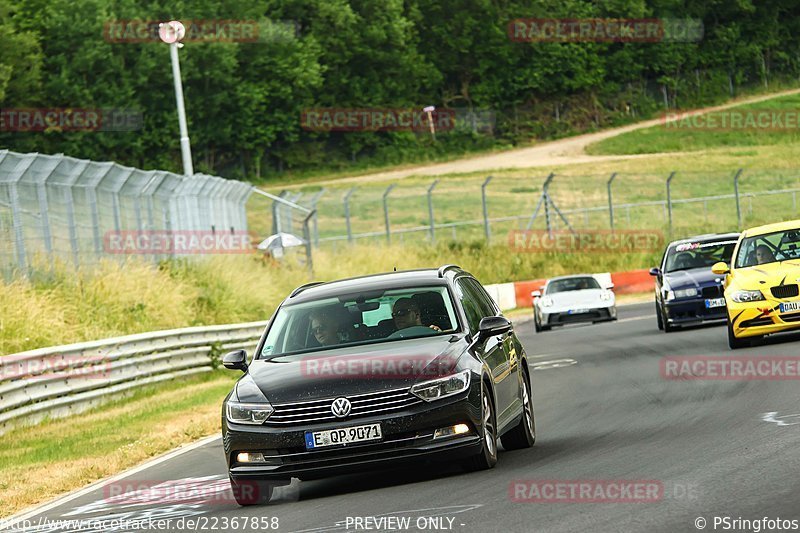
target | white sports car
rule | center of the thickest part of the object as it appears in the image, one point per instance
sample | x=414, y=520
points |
x=572, y=299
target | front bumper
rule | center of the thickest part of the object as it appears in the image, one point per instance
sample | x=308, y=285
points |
x=692, y=311
x=753, y=319
x=407, y=436
x=563, y=316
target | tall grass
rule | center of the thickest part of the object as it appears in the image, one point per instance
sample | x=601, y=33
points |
x=61, y=306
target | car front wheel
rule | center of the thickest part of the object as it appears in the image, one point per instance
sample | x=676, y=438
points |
x=733, y=341
x=523, y=435
x=487, y=457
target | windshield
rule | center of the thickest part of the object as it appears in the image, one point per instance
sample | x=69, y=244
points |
x=769, y=248
x=572, y=284
x=360, y=318
x=689, y=255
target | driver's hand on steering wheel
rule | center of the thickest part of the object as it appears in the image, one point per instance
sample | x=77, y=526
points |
x=435, y=327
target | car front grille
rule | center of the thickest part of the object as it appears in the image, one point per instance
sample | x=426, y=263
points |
x=318, y=411
x=785, y=291
x=713, y=292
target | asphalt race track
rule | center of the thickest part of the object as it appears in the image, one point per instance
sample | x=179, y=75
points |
x=604, y=413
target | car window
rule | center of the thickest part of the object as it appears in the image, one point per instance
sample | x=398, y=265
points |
x=572, y=284
x=487, y=305
x=382, y=316
x=471, y=304
x=689, y=255
x=769, y=248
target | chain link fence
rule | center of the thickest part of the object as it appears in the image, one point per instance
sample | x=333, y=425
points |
x=57, y=207
x=489, y=208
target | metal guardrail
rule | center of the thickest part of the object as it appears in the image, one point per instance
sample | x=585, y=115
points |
x=64, y=380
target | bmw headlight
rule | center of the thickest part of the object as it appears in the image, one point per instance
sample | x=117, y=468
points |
x=442, y=388
x=247, y=413
x=747, y=296
x=686, y=293
x=670, y=295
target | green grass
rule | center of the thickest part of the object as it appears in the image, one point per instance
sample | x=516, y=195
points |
x=38, y=463
x=684, y=136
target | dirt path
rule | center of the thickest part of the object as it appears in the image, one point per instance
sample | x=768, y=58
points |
x=564, y=151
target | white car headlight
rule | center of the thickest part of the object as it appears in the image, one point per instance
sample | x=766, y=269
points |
x=247, y=413
x=606, y=295
x=436, y=389
x=547, y=301
x=670, y=295
x=686, y=293
x=747, y=296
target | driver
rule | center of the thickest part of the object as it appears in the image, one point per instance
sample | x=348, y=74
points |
x=764, y=254
x=406, y=314
x=329, y=325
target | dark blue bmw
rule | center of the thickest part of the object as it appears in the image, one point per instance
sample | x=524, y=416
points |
x=687, y=292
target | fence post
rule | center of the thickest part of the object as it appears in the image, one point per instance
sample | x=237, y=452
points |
x=314, y=200
x=546, y=196
x=347, y=213
x=73, y=234
x=430, y=209
x=276, y=214
x=736, y=192
x=386, y=212
x=307, y=238
x=41, y=192
x=19, y=232
x=610, y=201
x=669, y=200
x=486, y=226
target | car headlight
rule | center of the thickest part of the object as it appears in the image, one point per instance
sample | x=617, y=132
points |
x=547, y=301
x=247, y=413
x=686, y=293
x=606, y=295
x=747, y=296
x=670, y=295
x=442, y=388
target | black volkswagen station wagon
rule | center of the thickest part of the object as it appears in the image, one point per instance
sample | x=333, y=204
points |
x=366, y=372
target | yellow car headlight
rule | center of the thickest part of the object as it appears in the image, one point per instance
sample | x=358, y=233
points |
x=747, y=296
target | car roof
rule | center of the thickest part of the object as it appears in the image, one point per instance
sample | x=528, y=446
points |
x=772, y=228
x=707, y=237
x=386, y=280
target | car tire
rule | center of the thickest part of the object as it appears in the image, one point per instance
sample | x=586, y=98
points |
x=659, y=319
x=523, y=435
x=536, y=326
x=668, y=328
x=249, y=492
x=735, y=343
x=487, y=457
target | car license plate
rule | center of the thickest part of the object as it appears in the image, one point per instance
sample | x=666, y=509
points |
x=577, y=311
x=715, y=302
x=338, y=437
x=788, y=307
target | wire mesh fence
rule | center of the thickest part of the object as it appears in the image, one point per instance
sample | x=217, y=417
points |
x=79, y=211
x=490, y=208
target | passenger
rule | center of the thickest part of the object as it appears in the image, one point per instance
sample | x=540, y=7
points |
x=764, y=254
x=406, y=314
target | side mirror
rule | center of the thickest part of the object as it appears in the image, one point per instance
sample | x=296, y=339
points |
x=536, y=294
x=610, y=286
x=492, y=326
x=655, y=271
x=235, y=360
x=720, y=268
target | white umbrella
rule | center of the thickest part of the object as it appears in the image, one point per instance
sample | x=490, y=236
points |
x=279, y=241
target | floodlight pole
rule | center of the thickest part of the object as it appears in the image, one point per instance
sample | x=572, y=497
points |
x=186, y=150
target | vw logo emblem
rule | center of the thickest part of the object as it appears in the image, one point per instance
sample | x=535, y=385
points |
x=341, y=407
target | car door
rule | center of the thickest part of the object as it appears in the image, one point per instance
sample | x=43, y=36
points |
x=493, y=351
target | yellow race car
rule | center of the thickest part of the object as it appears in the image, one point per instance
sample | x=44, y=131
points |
x=761, y=286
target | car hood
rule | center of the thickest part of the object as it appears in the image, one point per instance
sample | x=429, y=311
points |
x=695, y=277
x=351, y=370
x=589, y=297
x=760, y=276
